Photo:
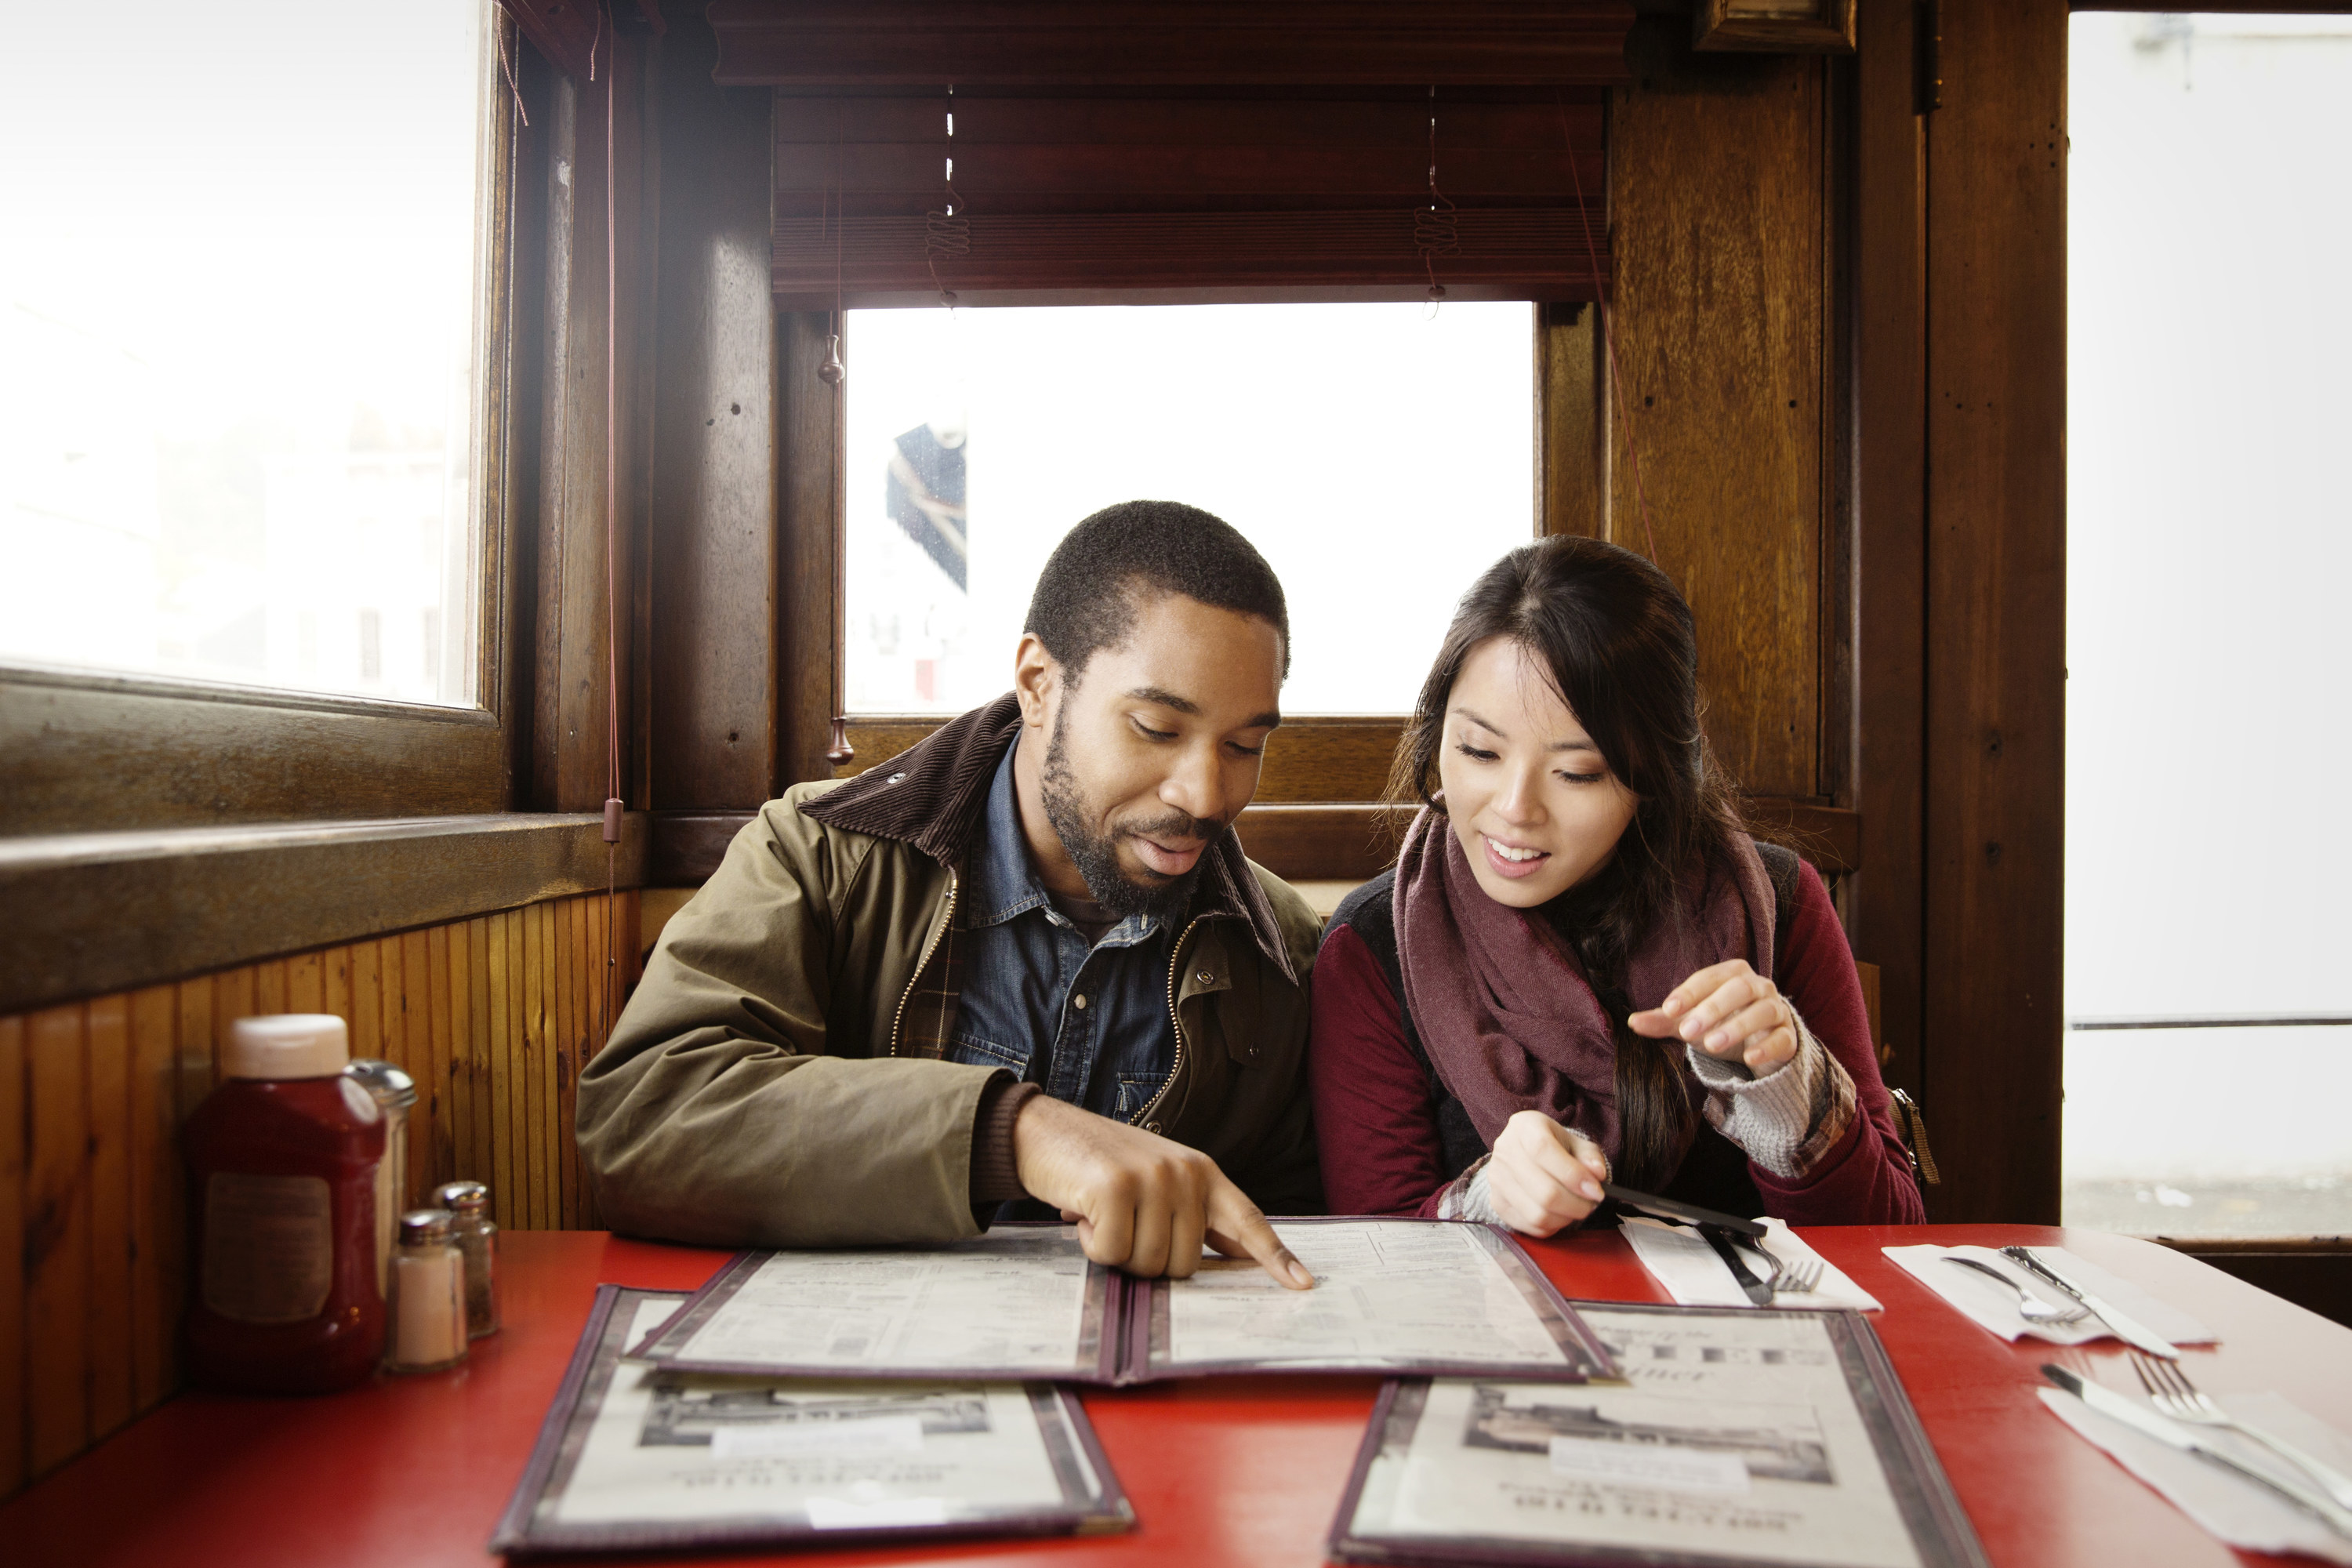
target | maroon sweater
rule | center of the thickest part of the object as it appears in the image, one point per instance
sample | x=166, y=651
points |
x=1377, y=1108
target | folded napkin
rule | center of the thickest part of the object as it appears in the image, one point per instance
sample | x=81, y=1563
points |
x=1984, y=1301
x=1680, y=1259
x=2230, y=1508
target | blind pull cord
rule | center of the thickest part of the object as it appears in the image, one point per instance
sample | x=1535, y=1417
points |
x=613, y=804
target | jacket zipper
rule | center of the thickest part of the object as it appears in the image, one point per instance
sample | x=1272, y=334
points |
x=1175, y=967
x=899, y=1018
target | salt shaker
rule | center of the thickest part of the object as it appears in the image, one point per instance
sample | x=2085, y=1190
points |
x=477, y=1238
x=428, y=1296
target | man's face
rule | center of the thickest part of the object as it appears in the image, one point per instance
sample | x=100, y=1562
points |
x=1158, y=748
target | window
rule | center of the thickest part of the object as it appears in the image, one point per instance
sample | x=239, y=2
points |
x=237, y=421
x=1381, y=456
x=2209, y=535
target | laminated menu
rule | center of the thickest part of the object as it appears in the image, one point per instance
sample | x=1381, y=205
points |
x=1024, y=1302
x=636, y=1458
x=1734, y=1438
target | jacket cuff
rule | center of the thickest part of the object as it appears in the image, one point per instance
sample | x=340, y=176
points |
x=995, y=1174
x=1788, y=1119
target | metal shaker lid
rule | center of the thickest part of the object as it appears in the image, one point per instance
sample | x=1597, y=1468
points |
x=462, y=1197
x=424, y=1228
x=392, y=1089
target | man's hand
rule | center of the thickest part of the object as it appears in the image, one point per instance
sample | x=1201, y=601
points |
x=1729, y=1011
x=1544, y=1177
x=1142, y=1203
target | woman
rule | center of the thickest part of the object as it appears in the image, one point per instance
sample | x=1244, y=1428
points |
x=1580, y=962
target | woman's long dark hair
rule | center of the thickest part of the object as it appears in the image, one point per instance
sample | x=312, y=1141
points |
x=1618, y=643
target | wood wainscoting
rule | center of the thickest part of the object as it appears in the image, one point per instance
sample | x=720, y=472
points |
x=491, y=1015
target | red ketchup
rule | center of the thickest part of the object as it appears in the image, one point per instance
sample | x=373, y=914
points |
x=288, y=1295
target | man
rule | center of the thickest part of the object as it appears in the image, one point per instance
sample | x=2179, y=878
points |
x=1025, y=959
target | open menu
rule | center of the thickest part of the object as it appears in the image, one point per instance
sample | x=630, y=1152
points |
x=1734, y=1438
x=636, y=1458
x=1024, y=1302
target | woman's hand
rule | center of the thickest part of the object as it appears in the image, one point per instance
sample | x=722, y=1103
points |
x=1729, y=1011
x=1543, y=1177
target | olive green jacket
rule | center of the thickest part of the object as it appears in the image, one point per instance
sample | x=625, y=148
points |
x=776, y=1081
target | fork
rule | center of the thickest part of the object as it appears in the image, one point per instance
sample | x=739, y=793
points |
x=2030, y=1307
x=1797, y=1276
x=2169, y=1388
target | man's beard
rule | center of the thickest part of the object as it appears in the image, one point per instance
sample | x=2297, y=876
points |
x=1097, y=854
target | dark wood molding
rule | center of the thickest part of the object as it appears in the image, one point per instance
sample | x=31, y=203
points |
x=2314, y=1272
x=1886, y=908
x=1995, y=625
x=1772, y=26
x=87, y=914
x=100, y=756
x=868, y=44
x=714, y=545
x=1317, y=841
x=809, y=523
x=581, y=646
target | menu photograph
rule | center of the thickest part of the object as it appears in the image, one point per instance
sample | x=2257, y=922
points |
x=635, y=1456
x=1768, y=1437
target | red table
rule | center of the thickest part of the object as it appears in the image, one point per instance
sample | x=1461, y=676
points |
x=414, y=1471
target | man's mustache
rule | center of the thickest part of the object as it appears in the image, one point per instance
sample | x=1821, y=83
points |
x=1177, y=825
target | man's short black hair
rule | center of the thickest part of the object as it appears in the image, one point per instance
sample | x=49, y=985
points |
x=1095, y=581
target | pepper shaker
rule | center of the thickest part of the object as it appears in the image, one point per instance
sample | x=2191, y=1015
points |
x=477, y=1240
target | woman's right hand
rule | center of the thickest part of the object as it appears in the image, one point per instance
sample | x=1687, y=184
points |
x=1543, y=1177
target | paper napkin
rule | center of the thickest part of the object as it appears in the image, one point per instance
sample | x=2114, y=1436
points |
x=1986, y=1302
x=2230, y=1507
x=1680, y=1259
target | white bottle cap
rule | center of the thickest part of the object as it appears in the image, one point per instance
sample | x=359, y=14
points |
x=281, y=1045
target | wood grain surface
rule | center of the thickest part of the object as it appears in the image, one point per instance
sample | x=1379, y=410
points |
x=93, y=1195
x=714, y=542
x=1718, y=192
x=87, y=914
x=1996, y=603
x=1884, y=904
x=866, y=44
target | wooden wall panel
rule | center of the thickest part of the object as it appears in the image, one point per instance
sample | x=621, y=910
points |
x=1719, y=201
x=93, y=1198
x=1996, y=602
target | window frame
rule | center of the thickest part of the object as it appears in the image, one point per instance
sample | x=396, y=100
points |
x=182, y=752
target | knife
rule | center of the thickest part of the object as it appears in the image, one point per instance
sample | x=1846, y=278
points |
x=2131, y=1330
x=1674, y=1208
x=1755, y=1288
x=2173, y=1435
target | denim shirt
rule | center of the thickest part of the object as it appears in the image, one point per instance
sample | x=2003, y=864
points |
x=1088, y=1024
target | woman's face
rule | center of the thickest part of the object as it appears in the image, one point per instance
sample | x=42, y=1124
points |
x=1535, y=808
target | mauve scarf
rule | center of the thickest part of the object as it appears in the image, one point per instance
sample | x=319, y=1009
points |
x=1502, y=1003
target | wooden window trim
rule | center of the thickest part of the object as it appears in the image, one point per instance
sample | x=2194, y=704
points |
x=87, y=914
x=86, y=752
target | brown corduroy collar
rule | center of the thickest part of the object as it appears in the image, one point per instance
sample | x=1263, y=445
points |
x=934, y=796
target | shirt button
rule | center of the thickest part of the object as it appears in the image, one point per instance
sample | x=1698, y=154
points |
x=1204, y=977
x=1080, y=1002
x=1151, y=1127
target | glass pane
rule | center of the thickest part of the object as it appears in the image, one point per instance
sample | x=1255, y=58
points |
x=1378, y=456
x=2208, y=537
x=236, y=322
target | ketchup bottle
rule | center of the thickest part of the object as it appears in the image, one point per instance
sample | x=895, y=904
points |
x=282, y=1157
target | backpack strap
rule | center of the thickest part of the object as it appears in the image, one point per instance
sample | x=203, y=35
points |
x=1780, y=865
